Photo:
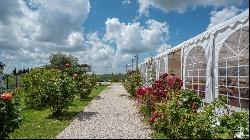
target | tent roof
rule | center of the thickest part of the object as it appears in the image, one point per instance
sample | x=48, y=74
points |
x=239, y=18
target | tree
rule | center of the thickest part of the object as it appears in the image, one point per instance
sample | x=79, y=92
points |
x=59, y=59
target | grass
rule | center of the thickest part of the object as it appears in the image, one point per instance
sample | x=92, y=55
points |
x=41, y=125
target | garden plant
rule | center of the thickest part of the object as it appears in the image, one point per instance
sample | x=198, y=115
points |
x=177, y=113
x=55, y=89
x=9, y=114
x=133, y=82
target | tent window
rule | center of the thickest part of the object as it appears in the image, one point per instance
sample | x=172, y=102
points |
x=174, y=63
x=233, y=67
x=162, y=67
x=195, y=75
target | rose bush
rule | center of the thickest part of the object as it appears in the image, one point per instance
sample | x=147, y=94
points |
x=133, y=82
x=34, y=84
x=148, y=96
x=60, y=92
x=84, y=83
x=177, y=113
x=56, y=89
x=9, y=114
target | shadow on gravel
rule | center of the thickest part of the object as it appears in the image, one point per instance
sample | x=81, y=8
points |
x=64, y=116
x=98, y=98
x=85, y=115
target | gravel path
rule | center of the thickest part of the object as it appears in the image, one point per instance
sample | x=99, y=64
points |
x=109, y=116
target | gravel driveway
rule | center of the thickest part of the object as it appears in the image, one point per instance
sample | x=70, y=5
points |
x=109, y=116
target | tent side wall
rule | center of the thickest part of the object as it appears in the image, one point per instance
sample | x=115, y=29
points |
x=201, y=58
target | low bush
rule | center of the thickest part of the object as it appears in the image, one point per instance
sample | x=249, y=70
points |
x=184, y=122
x=148, y=96
x=133, y=82
x=179, y=114
x=84, y=83
x=56, y=89
x=9, y=114
x=34, y=85
x=60, y=93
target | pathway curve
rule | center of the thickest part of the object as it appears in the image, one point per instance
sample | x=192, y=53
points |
x=109, y=116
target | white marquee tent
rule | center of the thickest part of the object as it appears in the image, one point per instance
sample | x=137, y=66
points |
x=213, y=63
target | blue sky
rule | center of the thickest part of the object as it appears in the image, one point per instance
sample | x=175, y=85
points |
x=103, y=33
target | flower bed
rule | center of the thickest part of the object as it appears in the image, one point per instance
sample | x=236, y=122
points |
x=173, y=112
x=56, y=89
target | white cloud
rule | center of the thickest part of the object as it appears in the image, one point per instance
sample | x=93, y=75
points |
x=132, y=38
x=75, y=39
x=144, y=5
x=181, y=6
x=28, y=36
x=126, y=2
x=100, y=54
x=218, y=17
x=163, y=48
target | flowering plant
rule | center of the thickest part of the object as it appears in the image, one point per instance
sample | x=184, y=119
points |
x=176, y=113
x=9, y=114
x=6, y=96
x=133, y=82
x=84, y=83
x=148, y=96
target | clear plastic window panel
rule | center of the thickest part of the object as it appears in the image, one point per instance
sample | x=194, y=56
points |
x=195, y=74
x=174, y=63
x=233, y=69
x=162, y=66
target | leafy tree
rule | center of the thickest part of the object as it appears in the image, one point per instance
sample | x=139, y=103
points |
x=60, y=59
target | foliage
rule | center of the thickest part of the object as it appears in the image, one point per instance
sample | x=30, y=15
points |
x=180, y=114
x=150, y=95
x=151, y=70
x=179, y=121
x=84, y=83
x=59, y=59
x=133, y=82
x=60, y=92
x=111, y=77
x=56, y=89
x=9, y=114
x=35, y=87
x=40, y=124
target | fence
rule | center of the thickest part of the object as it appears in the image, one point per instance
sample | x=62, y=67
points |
x=9, y=82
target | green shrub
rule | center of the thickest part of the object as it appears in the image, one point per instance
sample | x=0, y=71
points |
x=179, y=114
x=48, y=89
x=84, y=83
x=34, y=84
x=9, y=115
x=179, y=118
x=148, y=96
x=60, y=92
x=133, y=82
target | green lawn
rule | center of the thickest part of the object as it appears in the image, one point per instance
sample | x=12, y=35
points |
x=41, y=125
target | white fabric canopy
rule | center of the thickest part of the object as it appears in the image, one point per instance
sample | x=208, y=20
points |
x=201, y=56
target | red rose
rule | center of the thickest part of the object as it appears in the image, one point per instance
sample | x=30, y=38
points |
x=155, y=114
x=67, y=65
x=152, y=120
x=6, y=96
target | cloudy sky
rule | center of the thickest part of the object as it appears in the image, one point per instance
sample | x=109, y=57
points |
x=103, y=33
